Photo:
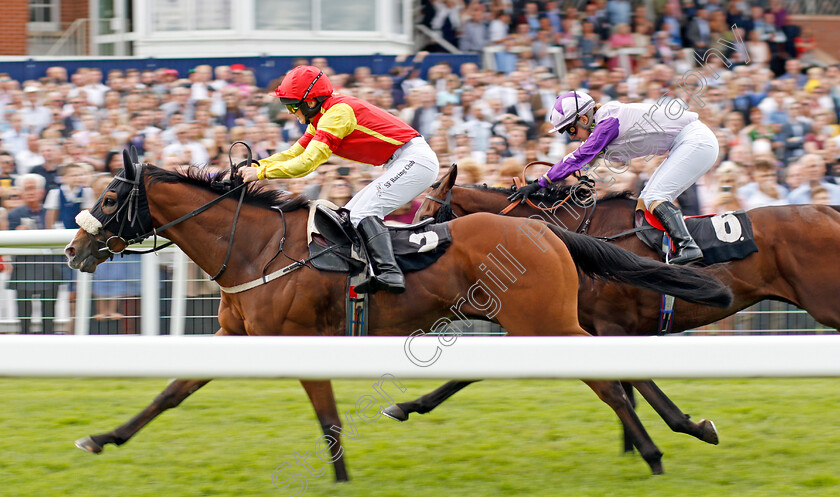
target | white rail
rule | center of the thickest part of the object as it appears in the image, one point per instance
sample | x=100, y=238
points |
x=45, y=241
x=466, y=357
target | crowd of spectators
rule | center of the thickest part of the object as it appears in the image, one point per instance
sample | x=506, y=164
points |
x=771, y=97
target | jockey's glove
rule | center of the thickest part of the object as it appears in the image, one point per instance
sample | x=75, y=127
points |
x=524, y=192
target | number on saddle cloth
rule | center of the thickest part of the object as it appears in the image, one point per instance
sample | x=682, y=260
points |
x=723, y=237
x=416, y=246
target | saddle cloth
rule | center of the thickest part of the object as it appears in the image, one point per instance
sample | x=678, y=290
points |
x=334, y=246
x=722, y=237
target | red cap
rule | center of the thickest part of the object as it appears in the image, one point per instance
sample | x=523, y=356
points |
x=237, y=67
x=171, y=72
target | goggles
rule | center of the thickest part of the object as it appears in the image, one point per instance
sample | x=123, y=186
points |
x=572, y=128
x=293, y=105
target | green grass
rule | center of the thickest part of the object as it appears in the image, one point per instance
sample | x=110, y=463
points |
x=552, y=438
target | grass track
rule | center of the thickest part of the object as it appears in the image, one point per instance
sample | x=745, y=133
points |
x=534, y=438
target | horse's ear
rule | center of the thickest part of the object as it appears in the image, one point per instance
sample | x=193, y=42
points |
x=129, y=166
x=132, y=153
x=452, y=176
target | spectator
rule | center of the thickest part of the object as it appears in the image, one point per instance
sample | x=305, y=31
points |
x=337, y=186
x=7, y=169
x=619, y=12
x=63, y=204
x=699, y=32
x=33, y=276
x=767, y=190
x=31, y=156
x=185, y=145
x=499, y=28
x=474, y=34
x=35, y=115
x=813, y=174
x=792, y=133
x=15, y=138
x=729, y=179
x=52, y=160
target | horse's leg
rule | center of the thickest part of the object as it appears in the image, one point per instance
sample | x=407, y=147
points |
x=323, y=401
x=628, y=442
x=673, y=416
x=612, y=393
x=173, y=395
x=426, y=403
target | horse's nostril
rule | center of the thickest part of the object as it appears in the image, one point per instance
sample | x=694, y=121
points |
x=70, y=252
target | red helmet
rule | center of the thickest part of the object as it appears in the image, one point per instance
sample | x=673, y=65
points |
x=303, y=83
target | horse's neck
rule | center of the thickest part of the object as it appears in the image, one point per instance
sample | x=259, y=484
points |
x=471, y=200
x=205, y=238
x=609, y=217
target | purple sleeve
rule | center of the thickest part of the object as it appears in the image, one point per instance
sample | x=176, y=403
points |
x=604, y=133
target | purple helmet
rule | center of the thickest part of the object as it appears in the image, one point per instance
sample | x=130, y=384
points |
x=568, y=107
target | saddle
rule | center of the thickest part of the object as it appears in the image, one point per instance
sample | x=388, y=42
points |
x=335, y=246
x=722, y=237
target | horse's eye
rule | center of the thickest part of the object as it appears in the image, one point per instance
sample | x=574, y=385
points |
x=109, y=202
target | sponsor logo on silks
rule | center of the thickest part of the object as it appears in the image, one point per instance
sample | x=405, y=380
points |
x=394, y=179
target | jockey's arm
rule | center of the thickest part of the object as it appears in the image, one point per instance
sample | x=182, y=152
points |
x=314, y=148
x=605, y=132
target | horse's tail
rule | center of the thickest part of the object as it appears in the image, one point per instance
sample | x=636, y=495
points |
x=603, y=260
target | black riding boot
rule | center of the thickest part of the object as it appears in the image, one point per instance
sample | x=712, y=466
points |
x=686, y=249
x=387, y=275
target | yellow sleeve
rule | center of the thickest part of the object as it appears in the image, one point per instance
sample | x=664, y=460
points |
x=336, y=123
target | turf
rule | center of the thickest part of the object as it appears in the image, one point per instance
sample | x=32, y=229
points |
x=529, y=438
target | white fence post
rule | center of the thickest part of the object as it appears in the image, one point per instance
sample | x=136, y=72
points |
x=149, y=295
x=83, y=303
x=179, y=294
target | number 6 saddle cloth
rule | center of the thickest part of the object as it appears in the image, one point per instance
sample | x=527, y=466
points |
x=722, y=237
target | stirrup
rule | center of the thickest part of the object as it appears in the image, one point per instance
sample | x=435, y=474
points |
x=688, y=254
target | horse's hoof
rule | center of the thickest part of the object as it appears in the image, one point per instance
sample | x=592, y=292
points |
x=395, y=412
x=656, y=468
x=87, y=444
x=709, y=433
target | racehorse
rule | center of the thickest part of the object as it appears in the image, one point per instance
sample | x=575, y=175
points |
x=794, y=263
x=144, y=200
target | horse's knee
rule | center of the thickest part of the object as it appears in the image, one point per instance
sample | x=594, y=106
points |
x=611, y=392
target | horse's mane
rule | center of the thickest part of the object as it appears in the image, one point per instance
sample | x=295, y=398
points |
x=553, y=194
x=255, y=194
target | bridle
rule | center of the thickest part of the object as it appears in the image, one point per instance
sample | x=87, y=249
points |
x=447, y=202
x=130, y=210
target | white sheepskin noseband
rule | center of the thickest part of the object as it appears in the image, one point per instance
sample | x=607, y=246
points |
x=87, y=222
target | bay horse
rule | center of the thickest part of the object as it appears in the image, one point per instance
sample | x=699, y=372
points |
x=794, y=264
x=144, y=200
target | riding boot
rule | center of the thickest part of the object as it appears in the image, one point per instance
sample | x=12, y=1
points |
x=387, y=275
x=686, y=249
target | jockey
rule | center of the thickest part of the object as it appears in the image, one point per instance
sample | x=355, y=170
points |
x=621, y=132
x=356, y=130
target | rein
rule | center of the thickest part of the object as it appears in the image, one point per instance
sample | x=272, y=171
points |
x=132, y=211
x=588, y=210
x=447, y=202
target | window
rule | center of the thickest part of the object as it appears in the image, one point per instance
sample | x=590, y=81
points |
x=44, y=15
x=335, y=15
x=170, y=15
x=348, y=15
x=212, y=14
x=282, y=15
x=189, y=15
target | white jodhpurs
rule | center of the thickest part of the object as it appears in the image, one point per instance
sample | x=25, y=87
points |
x=407, y=174
x=693, y=153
